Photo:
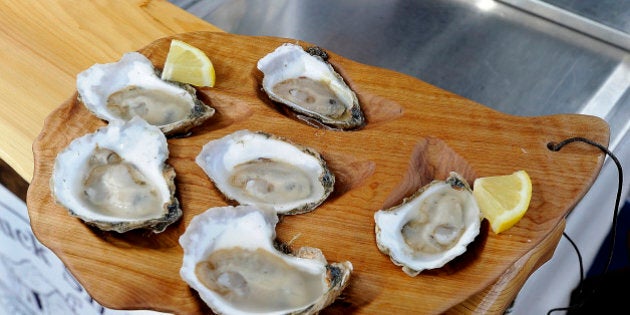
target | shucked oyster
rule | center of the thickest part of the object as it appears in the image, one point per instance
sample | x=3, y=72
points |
x=230, y=259
x=261, y=169
x=116, y=178
x=311, y=87
x=130, y=87
x=430, y=228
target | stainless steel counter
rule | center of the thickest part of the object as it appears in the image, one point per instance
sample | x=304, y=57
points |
x=484, y=50
x=498, y=53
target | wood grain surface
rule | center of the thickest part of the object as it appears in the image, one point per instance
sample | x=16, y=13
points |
x=415, y=132
x=46, y=43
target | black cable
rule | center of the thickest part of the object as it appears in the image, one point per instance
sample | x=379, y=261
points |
x=580, y=284
x=613, y=235
x=557, y=147
x=577, y=251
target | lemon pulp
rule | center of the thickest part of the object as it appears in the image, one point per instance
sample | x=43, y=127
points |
x=188, y=64
x=503, y=200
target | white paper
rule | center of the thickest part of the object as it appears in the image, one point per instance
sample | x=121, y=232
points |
x=32, y=278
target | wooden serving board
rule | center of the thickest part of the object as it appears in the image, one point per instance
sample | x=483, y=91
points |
x=415, y=133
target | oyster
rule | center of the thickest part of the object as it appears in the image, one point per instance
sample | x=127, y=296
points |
x=116, y=178
x=261, y=169
x=430, y=228
x=311, y=87
x=130, y=87
x=230, y=260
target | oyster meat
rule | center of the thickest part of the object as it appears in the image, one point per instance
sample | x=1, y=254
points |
x=310, y=86
x=130, y=87
x=257, y=168
x=116, y=178
x=230, y=260
x=430, y=228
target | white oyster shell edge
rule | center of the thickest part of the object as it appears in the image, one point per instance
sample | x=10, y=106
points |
x=218, y=158
x=253, y=228
x=390, y=222
x=291, y=61
x=98, y=82
x=138, y=143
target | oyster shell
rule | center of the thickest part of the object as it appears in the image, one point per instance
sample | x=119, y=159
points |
x=261, y=169
x=310, y=86
x=430, y=228
x=116, y=178
x=230, y=260
x=130, y=87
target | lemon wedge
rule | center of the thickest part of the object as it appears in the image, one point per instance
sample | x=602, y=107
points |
x=503, y=200
x=188, y=64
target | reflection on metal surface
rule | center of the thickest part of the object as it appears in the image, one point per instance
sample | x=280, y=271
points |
x=484, y=50
x=613, y=13
x=608, y=101
x=575, y=21
x=486, y=5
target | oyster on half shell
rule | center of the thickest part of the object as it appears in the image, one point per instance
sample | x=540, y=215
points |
x=431, y=227
x=130, y=87
x=310, y=86
x=116, y=178
x=261, y=169
x=230, y=260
